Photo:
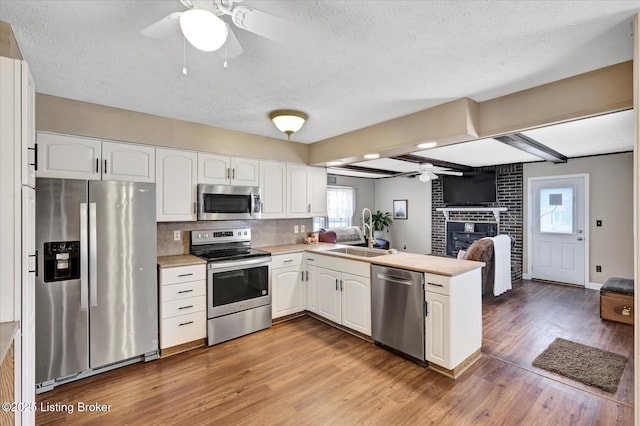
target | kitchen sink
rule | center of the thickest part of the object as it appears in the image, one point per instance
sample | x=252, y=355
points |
x=360, y=251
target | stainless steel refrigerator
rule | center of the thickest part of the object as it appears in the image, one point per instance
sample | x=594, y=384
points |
x=96, y=288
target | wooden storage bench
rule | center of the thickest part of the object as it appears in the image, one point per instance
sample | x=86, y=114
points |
x=616, y=300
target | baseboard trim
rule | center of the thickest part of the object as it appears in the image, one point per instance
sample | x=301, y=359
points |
x=526, y=276
x=594, y=286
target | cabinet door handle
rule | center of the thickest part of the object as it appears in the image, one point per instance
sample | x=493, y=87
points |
x=307, y=273
x=185, y=307
x=186, y=275
x=233, y=173
x=336, y=284
x=105, y=167
x=435, y=284
x=341, y=287
x=35, y=156
x=309, y=208
x=185, y=291
x=36, y=256
x=185, y=323
x=228, y=172
x=194, y=208
x=426, y=308
x=97, y=165
x=301, y=275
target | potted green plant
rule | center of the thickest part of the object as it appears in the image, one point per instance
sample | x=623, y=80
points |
x=381, y=220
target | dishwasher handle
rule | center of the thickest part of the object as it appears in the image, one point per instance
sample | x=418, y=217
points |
x=393, y=279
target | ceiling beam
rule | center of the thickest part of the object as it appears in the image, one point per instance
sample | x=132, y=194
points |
x=526, y=144
x=364, y=169
x=438, y=163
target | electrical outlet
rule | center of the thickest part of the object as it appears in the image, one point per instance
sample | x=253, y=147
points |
x=598, y=222
x=176, y=236
x=295, y=229
x=598, y=268
x=301, y=228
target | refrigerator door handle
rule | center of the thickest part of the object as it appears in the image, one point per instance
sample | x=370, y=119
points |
x=93, y=256
x=84, y=258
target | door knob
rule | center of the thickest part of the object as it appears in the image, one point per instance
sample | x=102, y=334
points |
x=579, y=231
x=580, y=238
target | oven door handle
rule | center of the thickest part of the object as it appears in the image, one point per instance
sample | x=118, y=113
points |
x=239, y=264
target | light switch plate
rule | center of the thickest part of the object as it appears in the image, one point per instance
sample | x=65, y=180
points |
x=301, y=228
x=295, y=229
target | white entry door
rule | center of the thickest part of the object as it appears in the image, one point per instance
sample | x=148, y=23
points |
x=558, y=234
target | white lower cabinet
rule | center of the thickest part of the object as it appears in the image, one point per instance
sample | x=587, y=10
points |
x=287, y=285
x=453, y=326
x=344, y=297
x=183, y=304
x=311, y=280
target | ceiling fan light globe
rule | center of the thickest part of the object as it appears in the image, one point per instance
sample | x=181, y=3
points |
x=203, y=29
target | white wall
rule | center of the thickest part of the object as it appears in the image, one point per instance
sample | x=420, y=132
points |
x=413, y=234
x=610, y=200
x=365, y=194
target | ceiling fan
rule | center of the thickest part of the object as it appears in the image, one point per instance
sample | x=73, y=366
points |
x=204, y=28
x=427, y=172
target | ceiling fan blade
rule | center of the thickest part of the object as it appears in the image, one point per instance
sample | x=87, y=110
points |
x=260, y=23
x=231, y=48
x=447, y=172
x=165, y=27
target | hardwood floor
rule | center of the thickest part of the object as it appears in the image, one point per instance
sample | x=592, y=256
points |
x=306, y=372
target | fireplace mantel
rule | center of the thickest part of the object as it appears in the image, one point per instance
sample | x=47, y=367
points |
x=495, y=210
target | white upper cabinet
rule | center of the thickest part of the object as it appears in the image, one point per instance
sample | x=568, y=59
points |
x=297, y=190
x=28, y=89
x=317, y=191
x=134, y=163
x=176, y=184
x=224, y=170
x=273, y=182
x=306, y=191
x=70, y=157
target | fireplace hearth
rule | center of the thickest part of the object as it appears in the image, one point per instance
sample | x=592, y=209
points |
x=458, y=237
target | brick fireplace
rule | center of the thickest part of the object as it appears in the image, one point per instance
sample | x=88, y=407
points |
x=460, y=237
x=510, y=195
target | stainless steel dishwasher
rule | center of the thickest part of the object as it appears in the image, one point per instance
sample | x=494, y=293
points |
x=397, y=310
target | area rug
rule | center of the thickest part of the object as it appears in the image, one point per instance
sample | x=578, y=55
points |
x=586, y=364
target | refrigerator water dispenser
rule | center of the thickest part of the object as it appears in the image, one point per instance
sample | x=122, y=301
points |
x=61, y=261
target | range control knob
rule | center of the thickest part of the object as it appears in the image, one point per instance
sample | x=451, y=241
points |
x=198, y=235
x=206, y=235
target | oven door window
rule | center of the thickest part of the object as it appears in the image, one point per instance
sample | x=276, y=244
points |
x=227, y=203
x=239, y=285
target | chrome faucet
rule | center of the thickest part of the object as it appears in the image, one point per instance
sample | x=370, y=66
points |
x=369, y=225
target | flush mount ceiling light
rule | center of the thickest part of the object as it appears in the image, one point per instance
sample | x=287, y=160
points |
x=288, y=121
x=203, y=29
x=427, y=175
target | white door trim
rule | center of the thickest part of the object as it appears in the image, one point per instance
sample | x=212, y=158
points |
x=587, y=224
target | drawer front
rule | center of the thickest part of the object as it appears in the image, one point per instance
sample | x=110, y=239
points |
x=173, y=308
x=437, y=284
x=181, y=274
x=286, y=260
x=617, y=307
x=182, y=329
x=183, y=290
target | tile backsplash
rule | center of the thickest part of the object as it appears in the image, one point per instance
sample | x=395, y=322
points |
x=264, y=232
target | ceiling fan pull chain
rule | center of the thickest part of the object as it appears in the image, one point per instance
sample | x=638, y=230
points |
x=225, y=64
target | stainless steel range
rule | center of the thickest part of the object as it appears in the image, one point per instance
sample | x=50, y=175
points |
x=238, y=283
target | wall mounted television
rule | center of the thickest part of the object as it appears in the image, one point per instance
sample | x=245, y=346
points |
x=470, y=189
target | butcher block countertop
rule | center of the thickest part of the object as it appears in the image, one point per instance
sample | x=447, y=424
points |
x=179, y=260
x=439, y=265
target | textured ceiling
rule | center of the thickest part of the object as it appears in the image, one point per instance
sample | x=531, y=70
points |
x=348, y=64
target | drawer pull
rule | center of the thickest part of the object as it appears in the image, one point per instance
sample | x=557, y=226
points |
x=185, y=323
x=186, y=275
x=287, y=261
x=185, y=307
x=185, y=291
x=435, y=285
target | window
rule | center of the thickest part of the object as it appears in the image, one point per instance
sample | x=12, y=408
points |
x=340, y=206
x=556, y=210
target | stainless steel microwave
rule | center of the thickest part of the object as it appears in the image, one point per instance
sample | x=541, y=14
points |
x=227, y=202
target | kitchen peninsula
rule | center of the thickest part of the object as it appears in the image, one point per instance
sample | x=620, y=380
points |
x=303, y=277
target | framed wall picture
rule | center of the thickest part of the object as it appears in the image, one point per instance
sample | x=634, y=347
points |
x=400, y=209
